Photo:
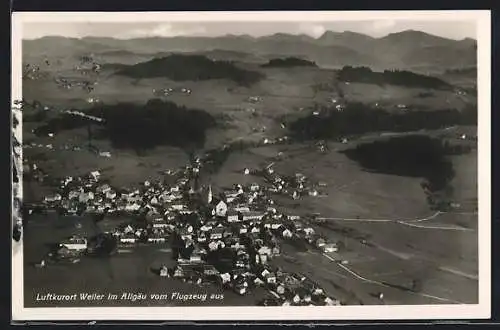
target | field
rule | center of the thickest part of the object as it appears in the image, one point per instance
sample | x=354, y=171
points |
x=444, y=259
x=407, y=240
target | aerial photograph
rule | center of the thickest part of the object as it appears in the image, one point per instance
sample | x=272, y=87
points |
x=225, y=163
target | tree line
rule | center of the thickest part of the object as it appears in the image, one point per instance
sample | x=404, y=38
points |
x=359, y=118
x=288, y=62
x=391, y=77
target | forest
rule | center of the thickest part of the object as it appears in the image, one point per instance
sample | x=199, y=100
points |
x=189, y=68
x=288, y=62
x=391, y=77
x=359, y=118
x=140, y=127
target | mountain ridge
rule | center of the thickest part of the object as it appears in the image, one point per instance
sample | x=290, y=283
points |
x=398, y=50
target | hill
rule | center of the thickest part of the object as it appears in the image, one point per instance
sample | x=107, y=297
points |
x=391, y=77
x=405, y=49
x=139, y=127
x=189, y=68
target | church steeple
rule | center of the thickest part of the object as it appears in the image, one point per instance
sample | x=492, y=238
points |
x=209, y=199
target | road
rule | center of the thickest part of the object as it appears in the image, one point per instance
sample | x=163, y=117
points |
x=409, y=222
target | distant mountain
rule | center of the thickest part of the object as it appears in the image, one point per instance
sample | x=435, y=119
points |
x=403, y=50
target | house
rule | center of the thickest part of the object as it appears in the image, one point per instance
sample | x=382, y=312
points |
x=240, y=288
x=217, y=233
x=95, y=175
x=287, y=233
x=261, y=259
x=309, y=231
x=320, y=242
x=177, y=207
x=206, y=228
x=209, y=270
x=74, y=194
x=276, y=225
x=221, y=209
x=247, y=216
x=128, y=239
x=270, y=278
x=75, y=243
x=186, y=235
x=226, y=277
x=195, y=258
x=54, y=198
x=331, y=247
x=179, y=271
x=156, y=239
x=241, y=208
x=264, y=250
x=330, y=302
x=239, y=247
x=242, y=262
x=216, y=245
x=257, y=281
x=164, y=272
x=103, y=189
x=255, y=230
x=159, y=223
x=111, y=194
x=202, y=238
x=234, y=216
x=254, y=187
x=243, y=230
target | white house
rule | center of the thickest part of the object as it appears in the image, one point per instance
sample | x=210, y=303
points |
x=164, y=271
x=156, y=239
x=233, y=216
x=195, y=257
x=328, y=248
x=287, y=233
x=225, y=277
x=309, y=231
x=177, y=207
x=242, y=208
x=95, y=175
x=216, y=234
x=128, y=239
x=75, y=244
x=252, y=216
x=221, y=209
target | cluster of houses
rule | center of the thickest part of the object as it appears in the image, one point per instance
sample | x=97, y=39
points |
x=228, y=236
x=168, y=91
x=296, y=186
x=31, y=71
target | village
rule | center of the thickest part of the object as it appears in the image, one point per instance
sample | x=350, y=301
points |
x=226, y=238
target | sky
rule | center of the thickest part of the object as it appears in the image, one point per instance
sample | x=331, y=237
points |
x=375, y=28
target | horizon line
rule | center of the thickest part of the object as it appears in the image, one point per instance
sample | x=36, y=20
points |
x=245, y=35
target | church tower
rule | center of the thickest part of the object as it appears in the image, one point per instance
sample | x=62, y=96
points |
x=209, y=200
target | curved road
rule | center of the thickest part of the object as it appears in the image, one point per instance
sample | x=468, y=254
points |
x=410, y=222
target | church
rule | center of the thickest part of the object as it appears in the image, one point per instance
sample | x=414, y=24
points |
x=217, y=205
